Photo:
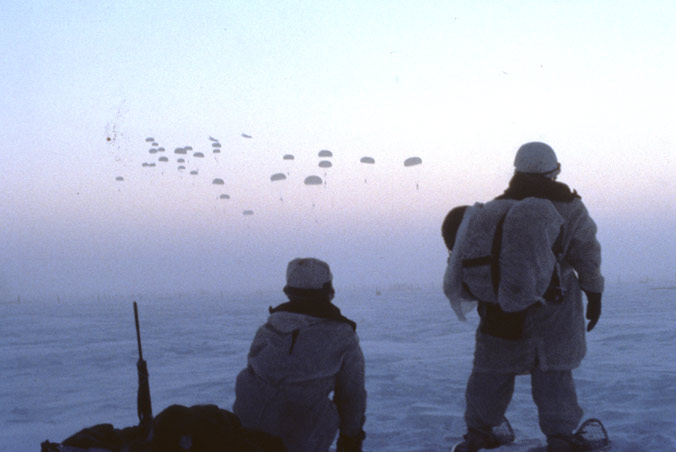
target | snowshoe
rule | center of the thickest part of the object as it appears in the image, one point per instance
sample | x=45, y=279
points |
x=592, y=436
x=475, y=440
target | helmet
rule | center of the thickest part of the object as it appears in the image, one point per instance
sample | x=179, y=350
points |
x=537, y=158
x=308, y=273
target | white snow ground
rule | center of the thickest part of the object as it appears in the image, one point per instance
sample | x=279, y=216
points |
x=68, y=364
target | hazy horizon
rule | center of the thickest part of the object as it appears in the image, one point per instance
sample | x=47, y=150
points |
x=460, y=86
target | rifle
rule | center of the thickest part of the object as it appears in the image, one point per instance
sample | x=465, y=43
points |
x=143, y=405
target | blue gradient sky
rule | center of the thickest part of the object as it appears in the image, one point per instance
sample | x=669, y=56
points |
x=460, y=84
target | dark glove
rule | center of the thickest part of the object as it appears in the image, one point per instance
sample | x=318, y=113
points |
x=350, y=443
x=593, y=309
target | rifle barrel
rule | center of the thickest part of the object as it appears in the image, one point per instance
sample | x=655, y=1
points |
x=138, y=333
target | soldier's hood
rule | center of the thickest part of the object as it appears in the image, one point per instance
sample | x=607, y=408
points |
x=286, y=322
x=315, y=309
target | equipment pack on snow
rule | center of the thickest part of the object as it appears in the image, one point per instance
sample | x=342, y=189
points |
x=509, y=252
x=178, y=428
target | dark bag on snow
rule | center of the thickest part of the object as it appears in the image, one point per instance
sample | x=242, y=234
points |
x=207, y=428
x=200, y=428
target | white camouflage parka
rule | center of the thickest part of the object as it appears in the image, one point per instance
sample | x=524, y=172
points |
x=304, y=381
x=553, y=335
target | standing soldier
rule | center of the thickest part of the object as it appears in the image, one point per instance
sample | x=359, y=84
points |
x=545, y=340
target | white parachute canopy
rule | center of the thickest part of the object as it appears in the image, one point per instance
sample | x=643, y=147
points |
x=325, y=153
x=278, y=176
x=180, y=151
x=198, y=155
x=412, y=161
x=153, y=151
x=224, y=196
x=181, y=167
x=216, y=145
x=247, y=212
x=367, y=161
x=244, y=135
x=163, y=159
x=288, y=157
x=325, y=164
x=119, y=178
x=193, y=173
x=313, y=180
x=150, y=139
x=218, y=181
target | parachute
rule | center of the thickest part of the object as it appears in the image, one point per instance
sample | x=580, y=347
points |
x=193, y=173
x=181, y=167
x=150, y=139
x=368, y=161
x=180, y=151
x=163, y=159
x=217, y=151
x=224, y=196
x=119, y=178
x=152, y=151
x=244, y=135
x=198, y=155
x=154, y=143
x=325, y=153
x=412, y=161
x=160, y=149
x=216, y=145
x=188, y=148
x=247, y=212
x=213, y=139
x=288, y=157
x=218, y=181
x=313, y=180
x=180, y=161
x=277, y=176
x=325, y=164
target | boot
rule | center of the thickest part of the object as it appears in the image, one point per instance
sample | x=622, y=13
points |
x=475, y=440
x=562, y=443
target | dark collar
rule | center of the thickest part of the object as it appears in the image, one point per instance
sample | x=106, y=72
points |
x=322, y=309
x=531, y=185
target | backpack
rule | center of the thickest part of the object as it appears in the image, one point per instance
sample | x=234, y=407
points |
x=510, y=253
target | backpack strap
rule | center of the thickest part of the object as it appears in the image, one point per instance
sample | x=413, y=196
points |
x=554, y=293
x=493, y=259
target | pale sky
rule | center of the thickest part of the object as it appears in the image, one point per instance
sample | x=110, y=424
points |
x=459, y=84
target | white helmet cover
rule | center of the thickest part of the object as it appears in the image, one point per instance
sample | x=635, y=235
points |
x=537, y=158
